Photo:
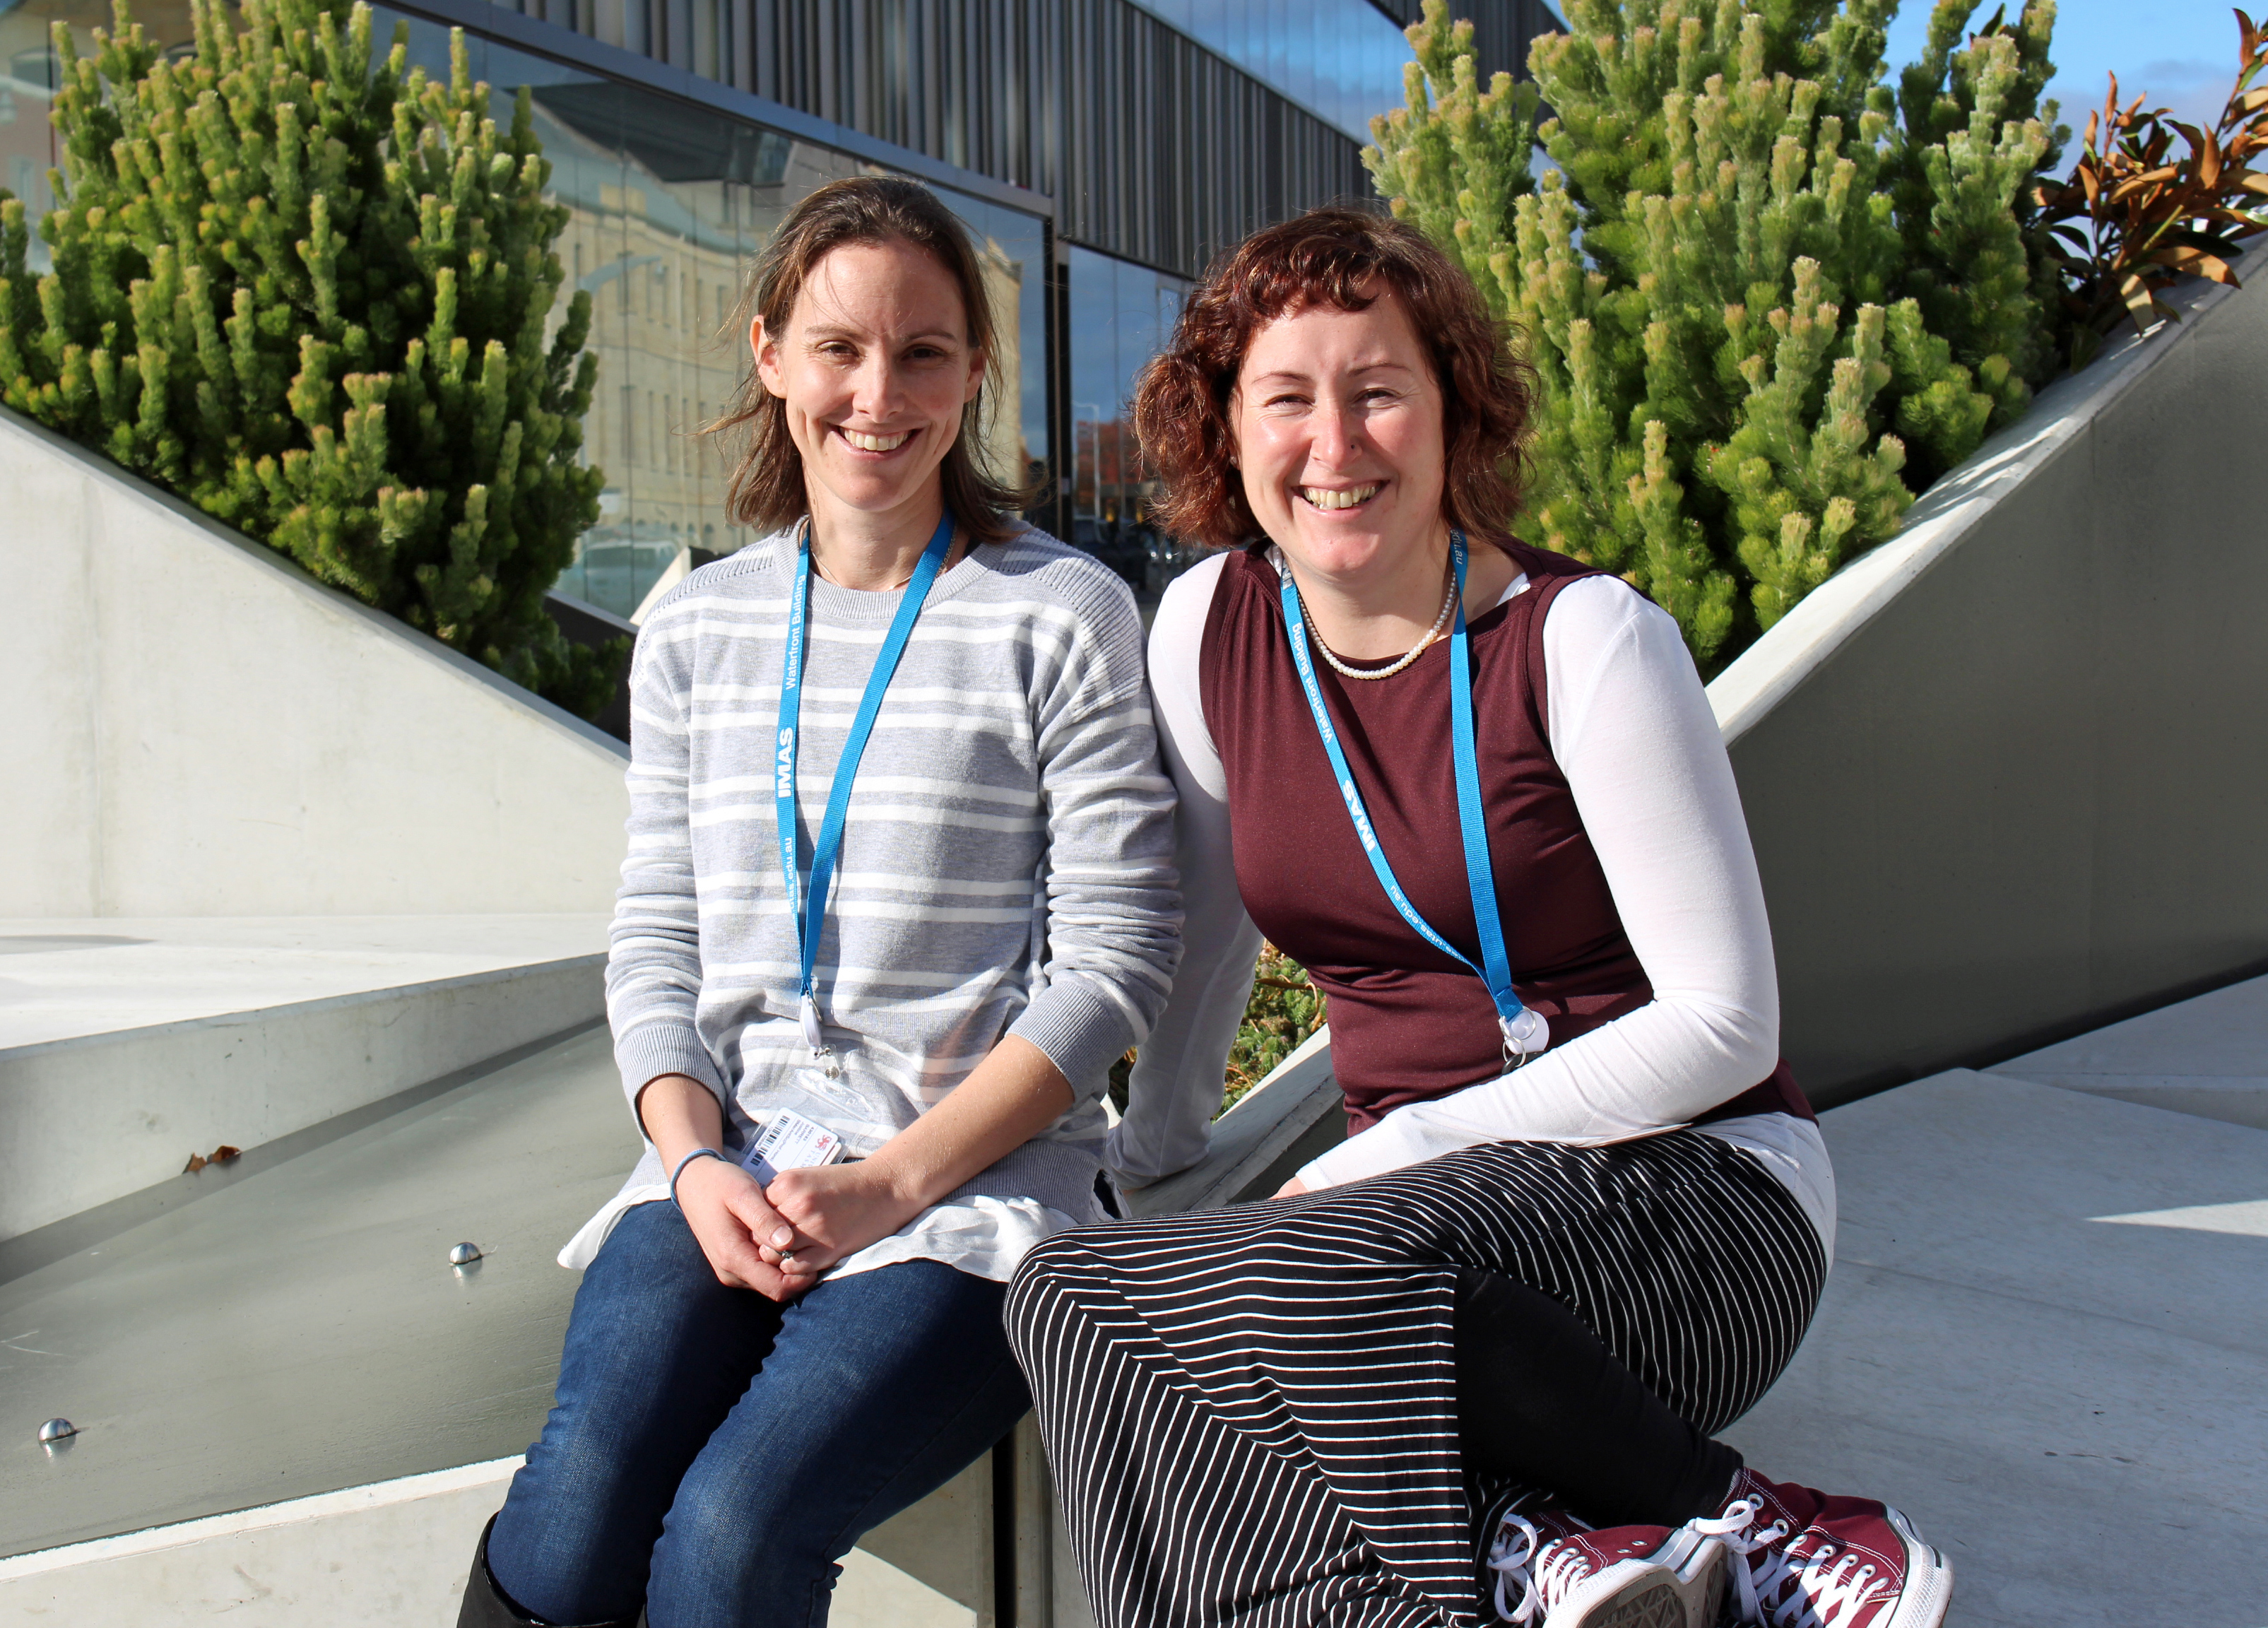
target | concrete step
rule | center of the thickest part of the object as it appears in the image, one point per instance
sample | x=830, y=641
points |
x=300, y=1330
x=128, y=1045
x=2207, y=1057
x=2044, y=1339
x=2040, y=1340
x=392, y=1555
x=292, y=1407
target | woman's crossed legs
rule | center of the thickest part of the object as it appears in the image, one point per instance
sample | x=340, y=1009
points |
x=1258, y=1415
x=712, y=1454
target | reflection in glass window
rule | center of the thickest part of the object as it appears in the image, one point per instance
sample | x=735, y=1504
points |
x=661, y=196
x=1120, y=315
x=29, y=72
x=1340, y=59
x=669, y=204
x=680, y=200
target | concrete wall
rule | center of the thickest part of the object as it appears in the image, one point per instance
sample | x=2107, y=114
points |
x=2008, y=774
x=194, y=727
x=92, y=1119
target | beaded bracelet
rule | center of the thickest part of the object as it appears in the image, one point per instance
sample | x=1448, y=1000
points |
x=699, y=1152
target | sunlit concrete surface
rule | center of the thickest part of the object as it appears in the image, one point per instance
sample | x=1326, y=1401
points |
x=64, y=977
x=369, y=1556
x=289, y=1402
x=2046, y=1339
x=302, y=1331
x=127, y=1045
x=389, y=1556
x=2208, y=1055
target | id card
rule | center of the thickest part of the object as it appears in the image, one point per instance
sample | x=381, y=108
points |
x=791, y=1142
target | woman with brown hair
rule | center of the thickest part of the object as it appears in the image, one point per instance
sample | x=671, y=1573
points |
x=898, y=893
x=1469, y=1361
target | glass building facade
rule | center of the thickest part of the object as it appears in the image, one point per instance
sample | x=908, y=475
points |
x=1120, y=314
x=1339, y=59
x=668, y=204
x=1099, y=151
x=27, y=147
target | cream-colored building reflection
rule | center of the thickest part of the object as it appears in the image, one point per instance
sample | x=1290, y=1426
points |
x=668, y=206
x=664, y=258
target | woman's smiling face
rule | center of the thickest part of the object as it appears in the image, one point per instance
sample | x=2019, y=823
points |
x=1338, y=426
x=874, y=367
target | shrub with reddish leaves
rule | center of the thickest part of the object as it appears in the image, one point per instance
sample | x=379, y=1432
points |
x=2134, y=217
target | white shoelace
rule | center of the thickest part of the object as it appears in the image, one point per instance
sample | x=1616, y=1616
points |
x=1562, y=1569
x=1513, y=1569
x=1817, y=1593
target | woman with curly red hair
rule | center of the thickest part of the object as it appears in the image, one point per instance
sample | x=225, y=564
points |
x=1474, y=1355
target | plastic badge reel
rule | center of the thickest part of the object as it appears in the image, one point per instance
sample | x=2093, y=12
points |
x=1525, y=1036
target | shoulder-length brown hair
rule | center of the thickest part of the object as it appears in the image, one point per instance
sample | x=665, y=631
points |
x=766, y=490
x=1343, y=256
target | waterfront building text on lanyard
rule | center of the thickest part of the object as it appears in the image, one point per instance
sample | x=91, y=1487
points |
x=808, y=914
x=1525, y=1033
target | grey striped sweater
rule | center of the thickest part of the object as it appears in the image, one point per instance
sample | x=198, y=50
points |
x=1006, y=868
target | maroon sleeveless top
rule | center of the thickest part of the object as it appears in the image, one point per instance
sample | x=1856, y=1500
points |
x=1407, y=1022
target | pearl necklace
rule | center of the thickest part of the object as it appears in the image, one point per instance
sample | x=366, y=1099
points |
x=1448, y=602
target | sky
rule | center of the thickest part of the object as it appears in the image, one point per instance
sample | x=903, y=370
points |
x=2181, y=54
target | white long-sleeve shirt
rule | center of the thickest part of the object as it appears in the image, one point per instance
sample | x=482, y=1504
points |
x=1631, y=730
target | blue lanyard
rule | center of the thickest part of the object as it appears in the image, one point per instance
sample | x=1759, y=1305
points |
x=810, y=913
x=1525, y=1033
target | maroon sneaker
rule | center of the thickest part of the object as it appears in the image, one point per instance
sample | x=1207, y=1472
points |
x=1565, y=1575
x=1801, y=1559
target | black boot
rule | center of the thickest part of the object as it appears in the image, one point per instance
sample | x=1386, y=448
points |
x=488, y=1606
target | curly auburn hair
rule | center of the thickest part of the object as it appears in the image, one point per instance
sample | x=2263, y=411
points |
x=1347, y=257
x=766, y=490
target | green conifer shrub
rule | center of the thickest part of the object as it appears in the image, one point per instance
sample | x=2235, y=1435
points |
x=306, y=289
x=1284, y=1011
x=1764, y=311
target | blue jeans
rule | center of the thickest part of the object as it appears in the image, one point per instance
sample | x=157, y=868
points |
x=713, y=1454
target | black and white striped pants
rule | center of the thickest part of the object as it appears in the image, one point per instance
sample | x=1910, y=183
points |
x=1251, y=1413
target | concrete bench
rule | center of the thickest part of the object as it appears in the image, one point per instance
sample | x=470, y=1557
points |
x=292, y=1407
x=1278, y=1125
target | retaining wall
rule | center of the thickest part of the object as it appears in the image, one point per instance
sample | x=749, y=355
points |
x=2007, y=775
x=195, y=726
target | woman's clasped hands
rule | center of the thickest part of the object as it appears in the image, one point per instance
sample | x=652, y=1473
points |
x=777, y=1239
